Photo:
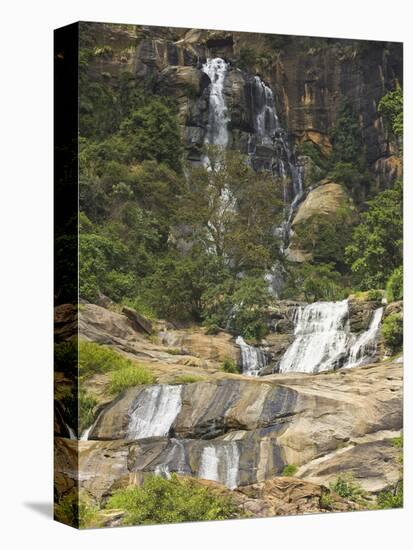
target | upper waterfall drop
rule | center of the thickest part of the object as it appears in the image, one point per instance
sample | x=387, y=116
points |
x=154, y=412
x=217, y=129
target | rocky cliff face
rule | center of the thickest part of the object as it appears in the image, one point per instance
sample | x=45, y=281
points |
x=309, y=79
x=236, y=430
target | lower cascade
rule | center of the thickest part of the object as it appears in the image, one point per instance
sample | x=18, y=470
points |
x=364, y=348
x=155, y=411
x=253, y=358
x=220, y=464
x=323, y=340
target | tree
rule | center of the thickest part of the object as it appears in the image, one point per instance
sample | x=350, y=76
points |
x=152, y=132
x=391, y=108
x=346, y=136
x=394, y=286
x=377, y=242
x=233, y=211
x=172, y=500
x=314, y=282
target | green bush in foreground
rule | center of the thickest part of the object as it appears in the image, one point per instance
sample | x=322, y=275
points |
x=289, y=470
x=172, y=500
x=97, y=359
x=87, y=404
x=391, y=498
x=229, y=366
x=129, y=376
x=346, y=487
x=392, y=331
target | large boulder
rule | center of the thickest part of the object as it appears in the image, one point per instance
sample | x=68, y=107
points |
x=327, y=207
x=360, y=311
x=325, y=424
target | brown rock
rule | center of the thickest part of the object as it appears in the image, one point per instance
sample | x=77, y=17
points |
x=139, y=322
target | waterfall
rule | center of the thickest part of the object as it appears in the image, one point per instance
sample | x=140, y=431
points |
x=220, y=463
x=154, y=411
x=72, y=434
x=323, y=340
x=364, y=348
x=253, y=358
x=217, y=131
x=175, y=460
x=270, y=134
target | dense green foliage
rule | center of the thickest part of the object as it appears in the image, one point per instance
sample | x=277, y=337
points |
x=74, y=510
x=193, y=244
x=391, y=108
x=394, y=286
x=347, y=164
x=97, y=359
x=312, y=282
x=392, y=331
x=326, y=238
x=229, y=366
x=132, y=375
x=289, y=470
x=170, y=501
x=87, y=405
x=346, y=137
x=377, y=242
x=348, y=488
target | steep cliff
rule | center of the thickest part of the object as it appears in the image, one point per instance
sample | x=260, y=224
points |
x=310, y=78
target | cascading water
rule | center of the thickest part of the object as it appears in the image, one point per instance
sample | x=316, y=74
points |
x=365, y=346
x=323, y=340
x=175, y=459
x=253, y=358
x=72, y=434
x=220, y=463
x=270, y=134
x=154, y=412
x=269, y=149
x=320, y=338
x=217, y=129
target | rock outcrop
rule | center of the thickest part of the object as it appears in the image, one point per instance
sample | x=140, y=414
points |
x=250, y=429
x=309, y=89
x=328, y=203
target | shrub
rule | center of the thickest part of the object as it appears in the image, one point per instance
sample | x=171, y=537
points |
x=391, y=498
x=172, y=500
x=374, y=295
x=394, y=286
x=289, y=470
x=229, y=366
x=129, y=376
x=96, y=359
x=87, y=404
x=212, y=329
x=392, y=331
x=326, y=502
x=346, y=487
x=76, y=511
x=65, y=357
